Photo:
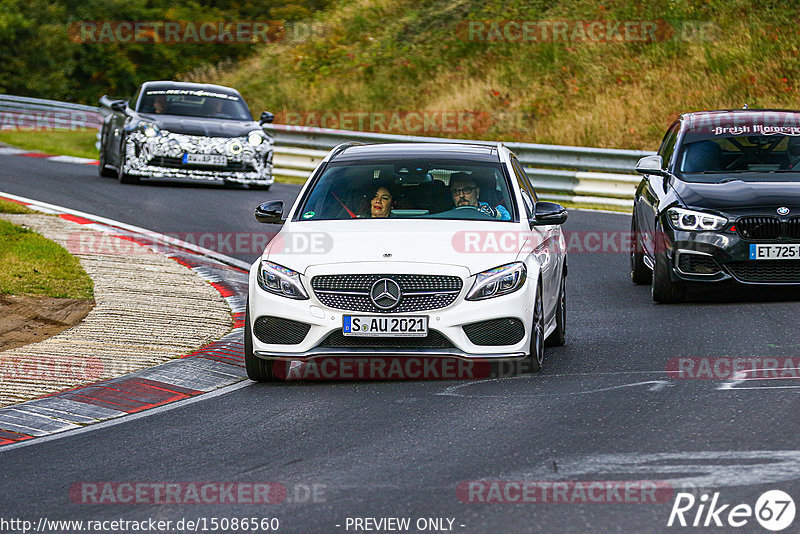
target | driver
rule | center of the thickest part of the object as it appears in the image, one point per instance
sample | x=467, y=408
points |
x=793, y=152
x=465, y=192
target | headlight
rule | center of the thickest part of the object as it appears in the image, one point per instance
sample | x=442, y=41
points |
x=683, y=219
x=149, y=129
x=235, y=147
x=280, y=281
x=498, y=281
x=255, y=138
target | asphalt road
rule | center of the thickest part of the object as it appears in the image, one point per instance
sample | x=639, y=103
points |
x=603, y=409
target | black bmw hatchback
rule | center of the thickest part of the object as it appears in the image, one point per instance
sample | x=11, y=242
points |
x=719, y=203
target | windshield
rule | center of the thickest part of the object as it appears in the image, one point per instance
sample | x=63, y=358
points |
x=410, y=189
x=191, y=103
x=741, y=157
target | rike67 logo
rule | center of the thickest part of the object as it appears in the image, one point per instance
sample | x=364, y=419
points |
x=774, y=510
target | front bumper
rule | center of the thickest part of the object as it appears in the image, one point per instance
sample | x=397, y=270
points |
x=447, y=322
x=161, y=158
x=724, y=256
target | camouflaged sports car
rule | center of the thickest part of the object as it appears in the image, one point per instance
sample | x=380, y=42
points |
x=185, y=132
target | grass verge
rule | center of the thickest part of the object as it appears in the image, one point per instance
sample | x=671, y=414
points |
x=79, y=143
x=35, y=266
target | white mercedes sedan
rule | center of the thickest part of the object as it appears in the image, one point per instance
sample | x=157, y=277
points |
x=408, y=251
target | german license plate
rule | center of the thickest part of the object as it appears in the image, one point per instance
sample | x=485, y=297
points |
x=382, y=326
x=775, y=252
x=205, y=159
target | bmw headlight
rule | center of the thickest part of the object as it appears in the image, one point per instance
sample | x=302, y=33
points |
x=280, y=281
x=498, y=281
x=255, y=138
x=691, y=220
x=149, y=129
x=235, y=147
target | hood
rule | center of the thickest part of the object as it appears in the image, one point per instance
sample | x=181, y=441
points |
x=739, y=195
x=203, y=126
x=303, y=245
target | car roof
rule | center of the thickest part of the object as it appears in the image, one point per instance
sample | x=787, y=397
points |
x=189, y=86
x=456, y=151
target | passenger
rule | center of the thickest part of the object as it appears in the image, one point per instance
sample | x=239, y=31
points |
x=465, y=193
x=160, y=104
x=381, y=202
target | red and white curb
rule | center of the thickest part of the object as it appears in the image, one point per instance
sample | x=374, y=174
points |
x=217, y=365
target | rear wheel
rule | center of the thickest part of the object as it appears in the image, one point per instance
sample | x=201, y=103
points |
x=640, y=273
x=257, y=369
x=559, y=335
x=536, y=349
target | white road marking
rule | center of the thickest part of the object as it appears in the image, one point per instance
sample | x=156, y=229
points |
x=453, y=391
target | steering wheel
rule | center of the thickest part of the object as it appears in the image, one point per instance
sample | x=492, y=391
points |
x=467, y=207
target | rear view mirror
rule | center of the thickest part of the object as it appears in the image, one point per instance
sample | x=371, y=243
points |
x=266, y=118
x=119, y=105
x=651, y=165
x=545, y=213
x=270, y=212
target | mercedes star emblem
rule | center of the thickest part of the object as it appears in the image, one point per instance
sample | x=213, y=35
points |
x=385, y=293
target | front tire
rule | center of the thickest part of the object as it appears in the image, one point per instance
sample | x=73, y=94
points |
x=640, y=273
x=536, y=349
x=257, y=369
x=102, y=170
x=125, y=178
x=664, y=289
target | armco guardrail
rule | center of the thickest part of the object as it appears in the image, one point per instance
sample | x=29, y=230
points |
x=598, y=177
x=18, y=112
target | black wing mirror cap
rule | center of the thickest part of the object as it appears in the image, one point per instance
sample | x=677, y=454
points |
x=270, y=211
x=119, y=105
x=266, y=118
x=546, y=213
x=651, y=165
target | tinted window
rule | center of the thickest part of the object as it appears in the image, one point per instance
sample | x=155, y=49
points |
x=192, y=103
x=528, y=192
x=668, y=144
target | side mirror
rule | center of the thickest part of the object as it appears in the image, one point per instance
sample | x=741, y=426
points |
x=119, y=105
x=545, y=213
x=651, y=165
x=266, y=118
x=270, y=212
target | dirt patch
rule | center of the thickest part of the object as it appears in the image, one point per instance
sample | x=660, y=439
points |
x=25, y=320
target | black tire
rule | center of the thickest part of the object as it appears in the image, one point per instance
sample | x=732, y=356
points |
x=102, y=170
x=536, y=348
x=123, y=177
x=559, y=336
x=257, y=369
x=640, y=272
x=664, y=289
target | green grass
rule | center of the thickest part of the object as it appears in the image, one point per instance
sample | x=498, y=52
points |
x=6, y=206
x=33, y=265
x=79, y=143
x=394, y=55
